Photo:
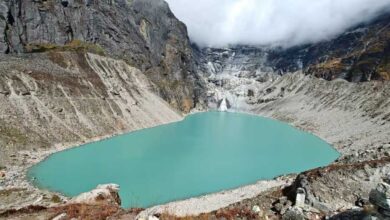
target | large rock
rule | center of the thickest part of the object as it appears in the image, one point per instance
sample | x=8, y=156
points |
x=293, y=214
x=300, y=198
x=303, y=187
x=380, y=196
x=108, y=193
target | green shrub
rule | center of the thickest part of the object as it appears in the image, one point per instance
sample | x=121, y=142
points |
x=56, y=199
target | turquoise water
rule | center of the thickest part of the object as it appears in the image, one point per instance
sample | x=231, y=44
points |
x=207, y=152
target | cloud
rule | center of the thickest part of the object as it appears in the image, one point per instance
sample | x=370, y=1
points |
x=286, y=23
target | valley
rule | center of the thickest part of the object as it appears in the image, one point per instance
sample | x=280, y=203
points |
x=60, y=89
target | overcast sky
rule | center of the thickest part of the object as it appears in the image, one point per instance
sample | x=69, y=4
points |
x=285, y=23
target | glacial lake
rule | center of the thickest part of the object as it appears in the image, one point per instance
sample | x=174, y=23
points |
x=205, y=153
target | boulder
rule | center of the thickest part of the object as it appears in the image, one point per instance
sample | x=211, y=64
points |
x=108, y=193
x=256, y=209
x=294, y=214
x=361, y=202
x=310, y=198
x=282, y=205
x=380, y=197
x=300, y=197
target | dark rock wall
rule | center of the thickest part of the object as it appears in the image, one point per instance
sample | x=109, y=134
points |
x=145, y=33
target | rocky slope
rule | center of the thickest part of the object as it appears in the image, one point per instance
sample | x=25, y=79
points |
x=361, y=54
x=68, y=97
x=57, y=100
x=349, y=116
x=143, y=33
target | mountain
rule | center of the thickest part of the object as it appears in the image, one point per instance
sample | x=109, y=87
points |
x=72, y=71
x=144, y=33
x=77, y=71
x=360, y=54
x=238, y=73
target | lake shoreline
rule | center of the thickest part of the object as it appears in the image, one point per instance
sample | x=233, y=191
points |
x=356, y=135
x=18, y=174
x=238, y=144
x=236, y=194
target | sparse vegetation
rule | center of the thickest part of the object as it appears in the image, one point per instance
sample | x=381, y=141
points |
x=56, y=199
x=74, y=45
x=9, y=192
x=12, y=135
x=85, y=211
x=200, y=217
x=331, y=64
x=233, y=213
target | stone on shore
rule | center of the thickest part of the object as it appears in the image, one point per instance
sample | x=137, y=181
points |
x=108, y=193
x=380, y=197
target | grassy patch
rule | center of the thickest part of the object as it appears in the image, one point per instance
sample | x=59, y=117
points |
x=11, y=134
x=9, y=192
x=85, y=211
x=283, y=117
x=75, y=45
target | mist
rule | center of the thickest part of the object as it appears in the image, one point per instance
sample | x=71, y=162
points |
x=285, y=23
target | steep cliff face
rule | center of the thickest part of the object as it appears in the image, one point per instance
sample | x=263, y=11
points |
x=55, y=98
x=232, y=75
x=144, y=33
